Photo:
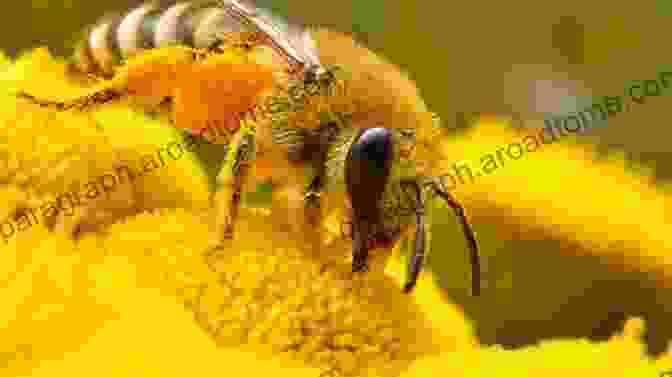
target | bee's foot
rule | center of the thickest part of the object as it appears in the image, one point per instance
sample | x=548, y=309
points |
x=408, y=287
x=227, y=232
x=359, y=266
x=312, y=199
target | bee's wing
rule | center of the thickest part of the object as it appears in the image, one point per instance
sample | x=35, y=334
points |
x=293, y=40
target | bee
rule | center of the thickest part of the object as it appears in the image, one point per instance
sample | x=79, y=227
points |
x=308, y=109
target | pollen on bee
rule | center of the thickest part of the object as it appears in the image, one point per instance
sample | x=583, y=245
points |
x=215, y=93
x=153, y=73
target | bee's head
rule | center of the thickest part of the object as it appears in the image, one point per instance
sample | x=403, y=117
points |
x=371, y=171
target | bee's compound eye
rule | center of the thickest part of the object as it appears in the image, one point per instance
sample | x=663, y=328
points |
x=367, y=169
x=373, y=150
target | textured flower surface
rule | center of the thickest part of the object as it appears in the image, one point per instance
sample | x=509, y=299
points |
x=143, y=289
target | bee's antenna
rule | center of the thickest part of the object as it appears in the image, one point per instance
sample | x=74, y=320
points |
x=471, y=239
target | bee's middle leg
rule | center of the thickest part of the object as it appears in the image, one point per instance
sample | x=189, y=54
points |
x=312, y=195
x=289, y=203
x=230, y=181
x=313, y=192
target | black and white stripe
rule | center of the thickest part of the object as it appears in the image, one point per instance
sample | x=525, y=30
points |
x=197, y=24
x=136, y=30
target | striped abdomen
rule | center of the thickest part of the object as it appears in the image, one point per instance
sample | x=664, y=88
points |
x=197, y=24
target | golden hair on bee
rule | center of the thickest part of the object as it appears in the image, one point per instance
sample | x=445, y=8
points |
x=375, y=85
x=368, y=86
x=371, y=90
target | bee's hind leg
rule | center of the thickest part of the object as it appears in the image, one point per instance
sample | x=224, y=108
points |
x=82, y=103
x=141, y=76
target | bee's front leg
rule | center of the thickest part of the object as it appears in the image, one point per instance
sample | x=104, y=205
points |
x=230, y=181
x=421, y=244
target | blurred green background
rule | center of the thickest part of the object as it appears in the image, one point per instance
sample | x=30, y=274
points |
x=523, y=57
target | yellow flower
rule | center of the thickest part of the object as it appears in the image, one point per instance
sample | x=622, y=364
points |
x=262, y=293
x=149, y=293
x=622, y=355
x=265, y=292
x=69, y=309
